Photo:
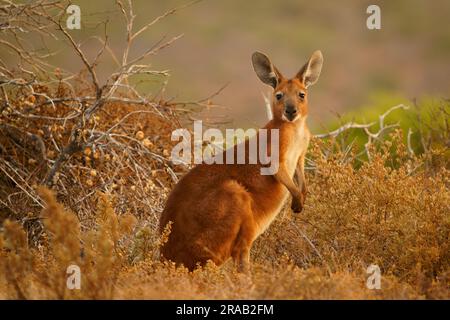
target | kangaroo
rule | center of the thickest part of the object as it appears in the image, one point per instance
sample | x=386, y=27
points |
x=218, y=210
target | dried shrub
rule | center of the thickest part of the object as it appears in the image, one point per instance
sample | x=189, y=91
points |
x=395, y=216
x=104, y=150
x=100, y=253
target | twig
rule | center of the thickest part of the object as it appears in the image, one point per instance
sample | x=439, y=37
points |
x=349, y=125
x=80, y=53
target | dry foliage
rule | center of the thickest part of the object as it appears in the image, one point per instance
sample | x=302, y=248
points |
x=102, y=152
x=394, y=217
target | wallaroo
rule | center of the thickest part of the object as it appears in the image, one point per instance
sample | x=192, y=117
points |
x=218, y=210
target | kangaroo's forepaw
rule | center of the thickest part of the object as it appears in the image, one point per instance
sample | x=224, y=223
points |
x=297, y=205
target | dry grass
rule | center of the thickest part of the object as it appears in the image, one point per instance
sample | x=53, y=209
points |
x=392, y=212
x=102, y=152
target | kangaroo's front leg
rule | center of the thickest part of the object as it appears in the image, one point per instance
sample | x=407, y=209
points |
x=283, y=177
x=298, y=204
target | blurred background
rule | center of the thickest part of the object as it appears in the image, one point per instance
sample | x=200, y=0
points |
x=407, y=59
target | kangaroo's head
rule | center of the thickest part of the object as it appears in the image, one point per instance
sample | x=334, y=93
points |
x=290, y=96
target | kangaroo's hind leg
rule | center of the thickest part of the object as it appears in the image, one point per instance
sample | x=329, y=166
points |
x=244, y=240
x=239, y=218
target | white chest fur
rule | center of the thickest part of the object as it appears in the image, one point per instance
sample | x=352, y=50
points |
x=297, y=147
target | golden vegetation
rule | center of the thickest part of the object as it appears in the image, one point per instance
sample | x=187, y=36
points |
x=102, y=152
x=393, y=212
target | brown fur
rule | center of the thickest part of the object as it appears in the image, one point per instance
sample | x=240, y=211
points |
x=218, y=210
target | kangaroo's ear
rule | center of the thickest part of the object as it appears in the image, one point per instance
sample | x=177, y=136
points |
x=265, y=70
x=310, y=72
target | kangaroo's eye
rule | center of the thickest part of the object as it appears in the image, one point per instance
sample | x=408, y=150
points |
x=301, y=95
x=279, y=95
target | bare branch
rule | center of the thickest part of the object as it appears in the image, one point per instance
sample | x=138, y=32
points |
x=347, y=126
x=84, y=59
x=157, y=19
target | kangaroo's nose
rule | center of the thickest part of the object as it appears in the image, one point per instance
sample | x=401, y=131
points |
x=290, y=112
